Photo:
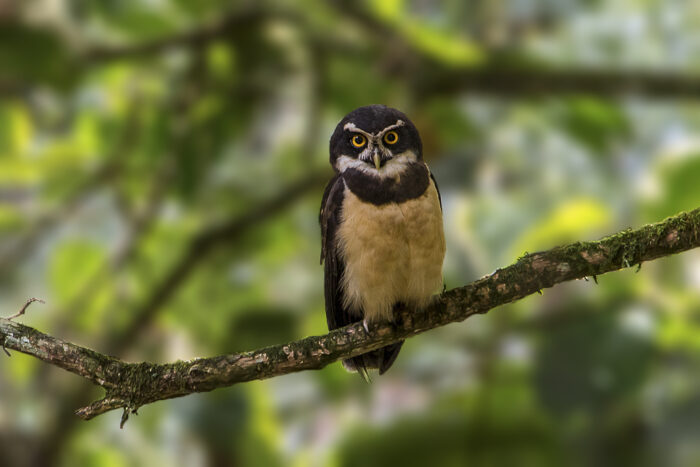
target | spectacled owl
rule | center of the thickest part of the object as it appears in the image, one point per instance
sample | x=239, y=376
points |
x=381, y=226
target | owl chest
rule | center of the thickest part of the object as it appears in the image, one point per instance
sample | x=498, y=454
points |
x=392, y=252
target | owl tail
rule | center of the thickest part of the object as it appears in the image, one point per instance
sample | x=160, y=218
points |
x=381, y=359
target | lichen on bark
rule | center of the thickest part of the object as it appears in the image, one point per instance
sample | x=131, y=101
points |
x=131, y=385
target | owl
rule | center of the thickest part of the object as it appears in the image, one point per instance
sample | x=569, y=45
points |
x=382, y=235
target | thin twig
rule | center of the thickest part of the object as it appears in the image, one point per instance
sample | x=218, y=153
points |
x=24, y=308
x=18, y=314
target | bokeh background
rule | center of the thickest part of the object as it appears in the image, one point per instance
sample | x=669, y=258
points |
x=161, y=170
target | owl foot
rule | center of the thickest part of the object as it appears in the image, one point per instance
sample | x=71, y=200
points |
x=397, y=320
x=397, y=316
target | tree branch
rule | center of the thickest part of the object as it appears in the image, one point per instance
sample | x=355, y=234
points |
x=195, y=37
x=528, y=81
x=131, y=385
x=512, y=81
x=201, y=245
x=15, y=251
x=489, y=79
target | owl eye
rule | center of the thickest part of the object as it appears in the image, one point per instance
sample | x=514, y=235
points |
x=358, y=141
x=391, y=137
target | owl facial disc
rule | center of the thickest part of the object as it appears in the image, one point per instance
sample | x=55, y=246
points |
x=375, y=149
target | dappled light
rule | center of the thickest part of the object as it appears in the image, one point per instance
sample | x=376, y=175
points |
x=161, y=170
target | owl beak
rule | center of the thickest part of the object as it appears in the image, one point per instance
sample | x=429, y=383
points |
x=377, y=160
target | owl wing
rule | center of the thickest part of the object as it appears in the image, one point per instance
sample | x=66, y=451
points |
x=436, y=189
x=334, y=266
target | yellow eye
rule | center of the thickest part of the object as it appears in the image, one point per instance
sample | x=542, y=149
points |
x=358, y=141
x=391, y=137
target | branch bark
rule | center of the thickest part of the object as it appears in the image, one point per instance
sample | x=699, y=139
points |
x=132, y=385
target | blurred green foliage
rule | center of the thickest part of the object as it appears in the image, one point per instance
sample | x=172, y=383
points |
x=161, y=168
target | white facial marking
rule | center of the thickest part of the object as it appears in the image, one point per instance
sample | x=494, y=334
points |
x=353, y=128
x=346, y=162
x=399, y=123
x=364, y=161
x=393, y=168
x=371, y=137
x=396, y=166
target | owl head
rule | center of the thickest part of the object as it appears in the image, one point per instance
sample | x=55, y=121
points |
x=375, y=139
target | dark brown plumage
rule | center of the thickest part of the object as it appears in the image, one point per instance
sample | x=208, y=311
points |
x=381, y=225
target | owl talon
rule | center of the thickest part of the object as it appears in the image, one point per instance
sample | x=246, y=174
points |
x=365, y=325
x=397, y=316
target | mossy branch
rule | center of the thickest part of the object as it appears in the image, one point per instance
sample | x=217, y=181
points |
x=132, y=385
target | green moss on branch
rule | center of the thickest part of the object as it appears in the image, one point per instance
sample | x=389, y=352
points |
x=132, y=385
